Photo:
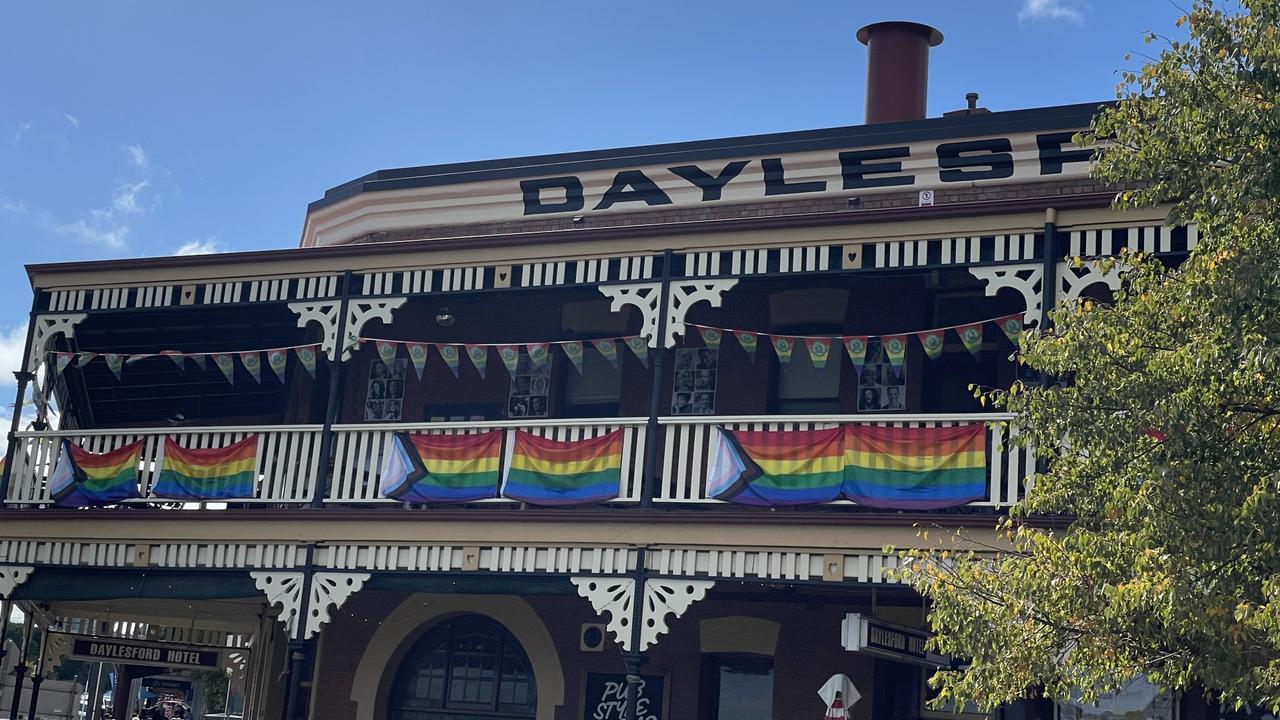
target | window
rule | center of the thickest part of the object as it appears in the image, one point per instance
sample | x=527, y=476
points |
x=737, y=687
x=596, y=391
x=464, y=669
x=802, y=388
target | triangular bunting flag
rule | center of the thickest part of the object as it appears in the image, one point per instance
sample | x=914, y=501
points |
x=819, y=351
x=971, y=338
x=84, y=358
x=227, y=365
x=479, y=355
x=387, y=351
x=510, y=355
x=450, y=355
x=199, y=360
x=132, y=359
x=1012, y=327
x=640, y=348
x=608, y=350
x=748, y=340
x=783, y=347
x=573, y=350
x=62, y=359
x=114, y=363
x=307, y=358
x=178, y=358
x=856, y=346
x=252, y=361
x=417, y=356
x=895, y=348
x=710, y=337
x=931, y=341
x=277, y=360
x=538, y=354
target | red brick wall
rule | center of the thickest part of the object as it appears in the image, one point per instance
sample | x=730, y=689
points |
x=807, y=653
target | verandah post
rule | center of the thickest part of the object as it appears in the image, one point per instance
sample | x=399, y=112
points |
x=337, y=385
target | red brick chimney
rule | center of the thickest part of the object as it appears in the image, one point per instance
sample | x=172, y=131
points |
x=897, y=69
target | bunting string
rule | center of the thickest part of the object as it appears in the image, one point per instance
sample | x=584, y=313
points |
x=509, y=353
x=819, y=347
x=225, y=361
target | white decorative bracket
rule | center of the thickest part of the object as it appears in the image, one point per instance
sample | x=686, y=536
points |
x=56, y=649
x=643, y=296
x=359, y=312
x=662, y=597
x=681, y=296
x=1025, y=279
x=283, y=589
x=11, y=576
x=1072, y=281
x=328, y=590
x=47, y=326
x=685, y=295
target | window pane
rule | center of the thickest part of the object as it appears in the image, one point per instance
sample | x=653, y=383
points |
x=746, y=693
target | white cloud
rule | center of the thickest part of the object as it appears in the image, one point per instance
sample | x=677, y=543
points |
x=75, y=121
x=139, y=157
x=127, y=194
x=111, y=236
x=12, y=205
x=207, y=246
x=1069, y=10
x=23, y=130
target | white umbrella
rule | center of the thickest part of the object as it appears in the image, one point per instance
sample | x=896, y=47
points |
x=840, y=694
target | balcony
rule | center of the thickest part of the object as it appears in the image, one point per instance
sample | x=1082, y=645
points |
x=289, y=471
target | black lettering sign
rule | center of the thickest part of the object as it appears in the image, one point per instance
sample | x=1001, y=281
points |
x=711, y=186
x=854, y=168
x=532, y=192
x=606, y=697
x=775, y=180
x=642, y=190
x=143, y=654
x=1053, y=157
x=954, y=161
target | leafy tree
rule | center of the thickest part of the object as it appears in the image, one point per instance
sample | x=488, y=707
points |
x=1150, y=541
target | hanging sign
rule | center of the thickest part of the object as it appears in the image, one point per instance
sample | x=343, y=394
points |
x=860, y=633
x=133, y=652
x=606, y=697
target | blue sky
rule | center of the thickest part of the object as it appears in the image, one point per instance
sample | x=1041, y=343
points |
x=147, y=127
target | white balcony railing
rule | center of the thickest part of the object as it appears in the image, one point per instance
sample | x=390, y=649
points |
x=288, y=460
x=289, y=466
x=359, y=450
x=686, y=449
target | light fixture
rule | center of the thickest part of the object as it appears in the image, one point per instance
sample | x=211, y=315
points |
x=444, y=318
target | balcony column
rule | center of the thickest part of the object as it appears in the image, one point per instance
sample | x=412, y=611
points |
x=1049, y=271
x=337, y=385
x=649, y=487
x=633, y=657
x=24, y=376
x=20, y=669
x=297, y=666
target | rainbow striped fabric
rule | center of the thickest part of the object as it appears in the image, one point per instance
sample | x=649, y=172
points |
x=777, y=467
x=914, y=468
x=208, y=474
x=442, y=468
x=87, y=479
x=552, y=472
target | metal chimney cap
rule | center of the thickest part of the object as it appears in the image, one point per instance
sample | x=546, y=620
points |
x=933, y=34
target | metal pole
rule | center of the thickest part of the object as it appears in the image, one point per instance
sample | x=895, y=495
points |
x=16, y=421
x=297, y=657
x=337, y=381
x=20, y=670
x=6, y=606
x=1049, y=284
x=37, y=675
x=649, y=488
x=634, y=659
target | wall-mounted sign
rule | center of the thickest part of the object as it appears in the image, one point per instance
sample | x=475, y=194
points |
x=874, y=636
x=606, y=697
x=134, y=652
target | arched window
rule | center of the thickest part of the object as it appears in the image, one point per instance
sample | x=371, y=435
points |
x=465, y=668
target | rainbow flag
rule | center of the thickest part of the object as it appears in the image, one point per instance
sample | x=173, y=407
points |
x=915, y=468
x=777, y=467
x=87, y=479
x=209, y=474
x=442, y=468
x=551, y=472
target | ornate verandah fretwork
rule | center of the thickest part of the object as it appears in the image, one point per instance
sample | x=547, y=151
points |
x=662, y=597
x=682, y=295
x=551, y=273
x=327, y=590
x=1027, y=279
x=12, y=576
x=359, y=312
x=220, y=291
x=48, y=326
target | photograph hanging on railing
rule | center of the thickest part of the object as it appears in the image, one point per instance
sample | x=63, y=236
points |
x=693, y=388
